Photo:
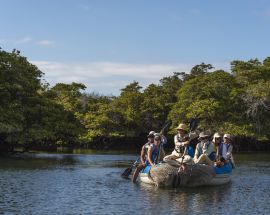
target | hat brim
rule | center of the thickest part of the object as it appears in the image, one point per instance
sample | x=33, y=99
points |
x=206, y=136
x=180, y=129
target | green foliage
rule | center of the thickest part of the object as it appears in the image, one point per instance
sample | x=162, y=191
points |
x=97, y=120
x=19, y=83
x=198, y=70
x=69, y=95
x=33, y=113
x=29, y=113
x=128, y=104
x=206, y=97
x=158, y=101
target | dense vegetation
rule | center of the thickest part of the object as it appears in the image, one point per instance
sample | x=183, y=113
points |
x=32, y=113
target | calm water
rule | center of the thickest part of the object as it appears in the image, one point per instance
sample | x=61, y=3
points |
x=91, y=184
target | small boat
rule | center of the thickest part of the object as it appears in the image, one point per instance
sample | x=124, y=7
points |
x=193, y=176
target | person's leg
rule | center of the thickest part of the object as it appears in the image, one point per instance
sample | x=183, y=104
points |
x=204, y=159
x=171, y=160
x=136, y=172
x=169, y=157
x=186, y=159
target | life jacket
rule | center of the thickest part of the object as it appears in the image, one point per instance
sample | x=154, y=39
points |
x=212, y=155
x=201, y=147
x=181, y=149
x=220, y=148
x=155, y=154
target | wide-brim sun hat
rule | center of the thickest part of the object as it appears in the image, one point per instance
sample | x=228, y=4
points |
x=182, y=126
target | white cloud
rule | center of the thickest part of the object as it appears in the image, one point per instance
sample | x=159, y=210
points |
x=45, y=42
x=27, y=40
x=23, y=40
x=108, y=77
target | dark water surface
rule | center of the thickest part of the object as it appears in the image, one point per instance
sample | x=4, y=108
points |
x=91, y=184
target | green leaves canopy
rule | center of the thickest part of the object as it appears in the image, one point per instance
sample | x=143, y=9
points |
x=33, y=113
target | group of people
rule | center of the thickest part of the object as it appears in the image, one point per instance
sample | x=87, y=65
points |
x=215, y=152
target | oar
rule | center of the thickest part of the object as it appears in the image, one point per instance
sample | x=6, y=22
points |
x=128, y=170
x=166, y=125
x=193, y=125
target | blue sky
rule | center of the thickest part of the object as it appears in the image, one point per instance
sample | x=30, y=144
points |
x=107, y=44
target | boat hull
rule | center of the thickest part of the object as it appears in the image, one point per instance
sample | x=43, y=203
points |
x=188, y=179
x=143, y=177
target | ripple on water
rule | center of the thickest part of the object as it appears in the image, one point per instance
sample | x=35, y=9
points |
x=91, y=184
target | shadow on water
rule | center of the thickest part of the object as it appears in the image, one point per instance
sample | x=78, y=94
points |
x=52, y=160
x=36, y=161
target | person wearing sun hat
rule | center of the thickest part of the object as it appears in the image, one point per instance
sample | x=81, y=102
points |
x=205, y=150
x=216, y=141
x=144, y=150
x=154, y=150
x=181, y=140
x=225, y=150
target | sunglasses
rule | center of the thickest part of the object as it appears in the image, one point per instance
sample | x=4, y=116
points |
x=156, y=139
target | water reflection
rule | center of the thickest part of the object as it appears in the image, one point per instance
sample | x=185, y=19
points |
x=184, y=200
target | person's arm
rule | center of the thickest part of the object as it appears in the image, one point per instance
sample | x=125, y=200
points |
x=197, y=153
x=229, y=152
x=177, y=143
x=217, y=152
x=149, y=154
x=163, y=140
x=162, y=154
x=143, y=154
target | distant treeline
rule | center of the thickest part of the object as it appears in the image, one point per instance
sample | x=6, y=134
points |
x=34, y=114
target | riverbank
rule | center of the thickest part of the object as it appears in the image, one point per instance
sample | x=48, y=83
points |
x=124, y=144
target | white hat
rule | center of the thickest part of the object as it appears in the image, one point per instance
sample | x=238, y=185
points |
x=227, y=136
x=216, y=135
x=151, y=134
x=157, y=135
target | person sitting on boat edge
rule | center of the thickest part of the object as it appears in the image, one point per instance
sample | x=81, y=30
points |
x=225, y=150
x=205, y=150
x=216, y=142
x=154, y=151
x=181, y=141
x=143, y=157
